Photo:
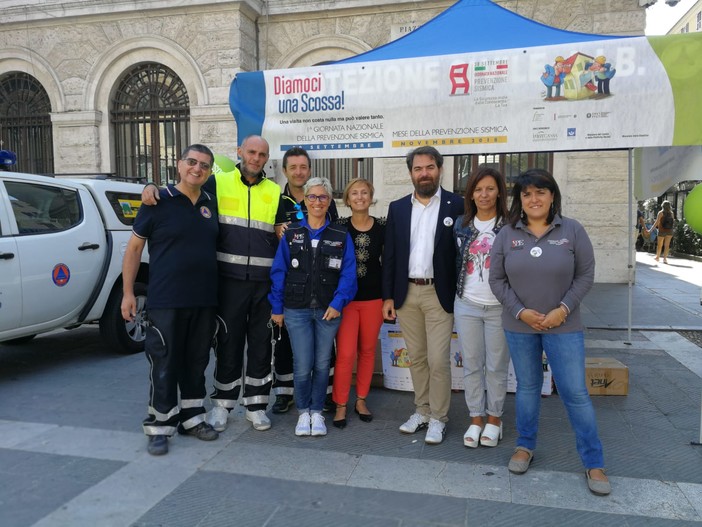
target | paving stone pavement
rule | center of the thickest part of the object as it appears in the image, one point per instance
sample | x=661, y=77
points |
x=72, y=453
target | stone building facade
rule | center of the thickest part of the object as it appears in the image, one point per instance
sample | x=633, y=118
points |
x=80, y=51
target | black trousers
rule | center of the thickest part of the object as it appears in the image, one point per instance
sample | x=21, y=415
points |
x=283, y=365
x=178, y=349
x=245, y=312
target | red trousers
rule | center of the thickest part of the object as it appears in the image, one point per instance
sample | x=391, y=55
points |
x=357, y=337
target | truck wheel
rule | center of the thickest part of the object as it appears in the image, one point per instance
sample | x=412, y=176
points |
x=19, y=340
x=124, y=337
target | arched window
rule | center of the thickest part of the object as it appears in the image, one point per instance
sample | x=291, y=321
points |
x=25, y=123
x=151, y=124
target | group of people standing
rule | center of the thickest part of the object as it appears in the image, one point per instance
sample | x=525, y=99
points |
x=511, y=281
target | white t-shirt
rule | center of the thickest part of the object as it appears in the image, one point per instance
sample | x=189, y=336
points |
x=476, y=287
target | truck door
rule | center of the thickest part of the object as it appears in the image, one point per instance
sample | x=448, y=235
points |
x=10, y=286
x=61, y=244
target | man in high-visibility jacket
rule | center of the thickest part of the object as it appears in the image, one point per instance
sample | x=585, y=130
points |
x=247, y=202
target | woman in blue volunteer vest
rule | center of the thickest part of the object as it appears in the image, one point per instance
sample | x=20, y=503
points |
x=313, y=278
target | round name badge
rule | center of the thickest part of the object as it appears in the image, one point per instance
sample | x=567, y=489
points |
x=448, y=221
x=536, y=252
x=295, y=263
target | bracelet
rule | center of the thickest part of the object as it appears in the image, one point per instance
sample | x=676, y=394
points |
x=565, y=312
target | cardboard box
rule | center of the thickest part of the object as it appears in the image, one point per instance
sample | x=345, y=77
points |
x=546, y=387
x=606, y=376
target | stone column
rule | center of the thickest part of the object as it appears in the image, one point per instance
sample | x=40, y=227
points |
x=77, y=142
x=214, y=126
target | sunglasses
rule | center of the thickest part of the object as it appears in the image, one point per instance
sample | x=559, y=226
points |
x=192, y=162
x=298, y=212
x=323, y=198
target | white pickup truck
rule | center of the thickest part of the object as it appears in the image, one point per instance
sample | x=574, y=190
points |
x=61, y=246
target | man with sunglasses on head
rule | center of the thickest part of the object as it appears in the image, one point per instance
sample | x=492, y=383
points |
x=291, y=208
x=247, y=203
x=182, y=238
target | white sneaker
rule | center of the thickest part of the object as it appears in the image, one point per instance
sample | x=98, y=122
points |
x=414, y=423
x=217, y=417
x=303, y=425
x=318, y=426
x=259, y=419
x=436, y=432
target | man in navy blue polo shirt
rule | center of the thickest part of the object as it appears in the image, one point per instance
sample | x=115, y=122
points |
x=182, y=301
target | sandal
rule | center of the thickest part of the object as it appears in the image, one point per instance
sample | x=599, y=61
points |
x=471, y=438
x=366, y=418
x=491, y=435
x=340, y=423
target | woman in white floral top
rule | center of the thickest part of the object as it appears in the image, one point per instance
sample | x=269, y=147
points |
x=477, y=312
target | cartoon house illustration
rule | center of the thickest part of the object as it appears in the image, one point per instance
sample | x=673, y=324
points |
x=579, y=83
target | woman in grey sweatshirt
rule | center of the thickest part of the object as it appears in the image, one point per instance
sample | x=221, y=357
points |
x=542, y=267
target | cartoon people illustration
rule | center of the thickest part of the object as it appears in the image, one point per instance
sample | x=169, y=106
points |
x=603, y=72
x=553, y=77
x=393, y=357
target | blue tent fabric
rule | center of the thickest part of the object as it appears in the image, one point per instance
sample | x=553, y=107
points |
x=472, y=26
x=247, y=101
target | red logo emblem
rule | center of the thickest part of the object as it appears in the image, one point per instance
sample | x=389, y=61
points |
x=61, y=274
x=459, y=79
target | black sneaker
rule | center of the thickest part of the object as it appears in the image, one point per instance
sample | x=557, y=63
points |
x=329, y=405
x=282, y=404
x=203, y=431
x=158, y=445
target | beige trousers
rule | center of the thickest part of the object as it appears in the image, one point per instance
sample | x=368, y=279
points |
x=427, y=330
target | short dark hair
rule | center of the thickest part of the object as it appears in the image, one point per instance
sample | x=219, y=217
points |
x=295, y=151
x=198, y=148
x=539, y=178
x=471, y=208
x=425, y=151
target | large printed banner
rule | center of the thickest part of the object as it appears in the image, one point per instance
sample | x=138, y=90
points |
x=604, y=94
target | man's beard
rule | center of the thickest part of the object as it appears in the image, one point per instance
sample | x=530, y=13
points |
x=426, y=188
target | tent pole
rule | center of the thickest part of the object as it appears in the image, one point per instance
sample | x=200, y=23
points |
x=630, y=230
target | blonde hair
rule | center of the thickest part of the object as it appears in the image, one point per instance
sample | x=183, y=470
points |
x=347, y=189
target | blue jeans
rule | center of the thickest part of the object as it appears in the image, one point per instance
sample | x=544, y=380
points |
x=566, y=355
x=311, y=339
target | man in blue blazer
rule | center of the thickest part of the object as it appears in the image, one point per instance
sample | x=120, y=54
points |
x=419, y=286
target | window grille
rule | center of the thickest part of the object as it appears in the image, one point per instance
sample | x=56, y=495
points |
x=25, y=126
x=151, y=124
x=340, y=171
x=510, y=165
